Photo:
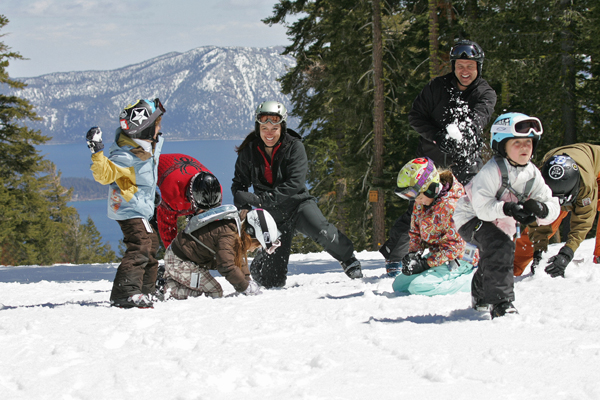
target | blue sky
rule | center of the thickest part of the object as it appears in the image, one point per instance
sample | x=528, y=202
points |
x=79, y=35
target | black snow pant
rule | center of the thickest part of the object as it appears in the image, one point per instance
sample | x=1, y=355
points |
x=493, y=281
x=396, y=247
x=139, y=267
x=270, y=270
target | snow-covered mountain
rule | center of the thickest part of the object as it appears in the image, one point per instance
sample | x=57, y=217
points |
x=209, y=93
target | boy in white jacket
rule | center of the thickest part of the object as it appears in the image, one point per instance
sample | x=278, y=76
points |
x=508, y=191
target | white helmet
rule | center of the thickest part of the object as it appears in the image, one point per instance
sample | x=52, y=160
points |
x=262, y=227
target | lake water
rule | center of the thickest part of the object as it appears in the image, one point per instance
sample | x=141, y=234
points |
x=73, y=160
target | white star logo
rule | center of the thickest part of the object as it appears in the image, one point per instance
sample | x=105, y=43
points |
x=139, y=116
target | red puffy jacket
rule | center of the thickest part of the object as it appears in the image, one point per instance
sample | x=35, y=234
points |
x=174, y=174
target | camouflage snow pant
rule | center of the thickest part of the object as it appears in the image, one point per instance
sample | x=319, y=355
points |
x=185, y=279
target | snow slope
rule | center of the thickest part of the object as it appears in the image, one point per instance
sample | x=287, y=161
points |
x=323, y=336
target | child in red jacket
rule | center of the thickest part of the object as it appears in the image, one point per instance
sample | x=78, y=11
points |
x=175, y=175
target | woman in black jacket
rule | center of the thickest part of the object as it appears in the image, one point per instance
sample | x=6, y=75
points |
x=273, y=161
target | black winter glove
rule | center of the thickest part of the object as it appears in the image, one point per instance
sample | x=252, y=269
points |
x=516, y=211
x=537, y=208
x=94, y=139
x=413, y=264
x=537, y=257
x=446, y=144
x=243, y=198
x=559, y=262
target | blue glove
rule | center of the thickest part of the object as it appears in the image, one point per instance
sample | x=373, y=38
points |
x=94, y=139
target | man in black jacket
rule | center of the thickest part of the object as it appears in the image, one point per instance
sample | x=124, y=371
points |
x=272, y=161
x=449, y=114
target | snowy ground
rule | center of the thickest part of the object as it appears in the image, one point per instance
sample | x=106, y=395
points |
x=323, y=336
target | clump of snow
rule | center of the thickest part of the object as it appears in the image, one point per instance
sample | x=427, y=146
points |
x=322, y=336
x=454, y=132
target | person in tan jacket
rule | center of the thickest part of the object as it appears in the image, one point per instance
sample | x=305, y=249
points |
x=573, y=174
x=216, y=238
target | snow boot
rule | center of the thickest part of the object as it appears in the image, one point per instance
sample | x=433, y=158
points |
x=479, y=305
x=393, y=268
x=133, y=301
x=159, y=292
x=501, y=309
x=352, y=268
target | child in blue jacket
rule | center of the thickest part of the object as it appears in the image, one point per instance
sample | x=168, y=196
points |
x=131, y=171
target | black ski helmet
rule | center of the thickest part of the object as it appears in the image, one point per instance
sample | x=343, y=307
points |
x=561, y=174
x=467, y=50
x=205, y=191
x=138, y=120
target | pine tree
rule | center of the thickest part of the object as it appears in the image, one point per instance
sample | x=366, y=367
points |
x=35, y=220
x=86, y=245
x=23, y=223
x=540, y=58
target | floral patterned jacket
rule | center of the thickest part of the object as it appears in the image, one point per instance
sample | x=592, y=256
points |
x=432, y=228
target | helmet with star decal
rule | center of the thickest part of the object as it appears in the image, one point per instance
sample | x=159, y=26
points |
x=138, y=120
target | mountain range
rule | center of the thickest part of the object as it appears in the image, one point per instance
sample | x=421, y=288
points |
x=209, y=93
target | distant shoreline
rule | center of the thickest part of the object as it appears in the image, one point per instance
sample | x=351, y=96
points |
x=168, y=139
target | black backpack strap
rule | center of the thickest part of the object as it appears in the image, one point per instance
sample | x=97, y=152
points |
x=506, y=184
x=504, y=171
x=528, y=187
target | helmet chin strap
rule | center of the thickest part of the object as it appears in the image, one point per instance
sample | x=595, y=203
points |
x=514, y=163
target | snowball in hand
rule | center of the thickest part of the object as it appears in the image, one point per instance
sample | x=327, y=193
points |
x=454, y=132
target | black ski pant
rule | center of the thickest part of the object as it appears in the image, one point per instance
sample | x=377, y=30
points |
x=396, y=247
x=270, y=270
x=493, y=281
x=139, y=266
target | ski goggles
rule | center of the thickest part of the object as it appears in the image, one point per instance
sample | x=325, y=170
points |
x=271, y=249
x=408, y=193
x=158, y=106
x=466, y=50
x=527, y=126
x=272, y=118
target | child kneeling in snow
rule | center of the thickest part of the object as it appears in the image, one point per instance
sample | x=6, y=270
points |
x=216, y=238
x=508, y=191
x=447, y=268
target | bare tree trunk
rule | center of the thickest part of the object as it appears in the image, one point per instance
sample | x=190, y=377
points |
x=434, y=58
x=378, y=128
x=568, y=79
x=340, y=186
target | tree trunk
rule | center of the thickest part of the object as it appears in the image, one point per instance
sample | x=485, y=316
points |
x=434, y=59
x=378, y=128
x=568, y=78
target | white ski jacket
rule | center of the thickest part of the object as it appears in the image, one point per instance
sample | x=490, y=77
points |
x=480, y=198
